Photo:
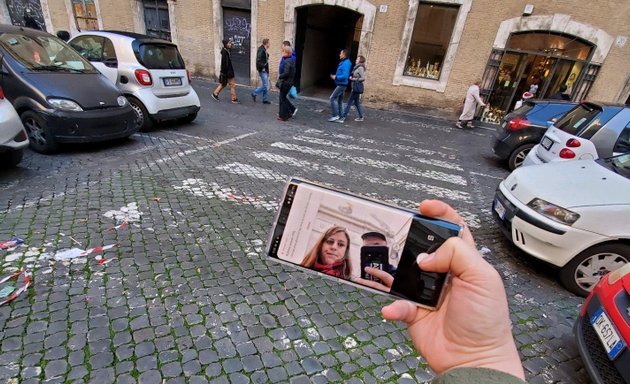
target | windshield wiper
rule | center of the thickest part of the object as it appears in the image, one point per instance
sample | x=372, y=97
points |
x=57, y=68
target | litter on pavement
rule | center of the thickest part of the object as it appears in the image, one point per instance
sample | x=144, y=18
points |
x=9, y=293
x=11, y=243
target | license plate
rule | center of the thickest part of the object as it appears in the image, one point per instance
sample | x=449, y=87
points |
x=499, y=208
x=607, y=334
x=546, y=142
x=172, y=81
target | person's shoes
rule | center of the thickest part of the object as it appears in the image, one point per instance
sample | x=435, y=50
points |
x=294, y=112
x=358, y=119
x=282, y=118
x=215, y=96
x=341, y=120
x=235, y=101
x=470, y=126
x=266, y=102
x=254, y=98
x=459, y=125
x=333, y=118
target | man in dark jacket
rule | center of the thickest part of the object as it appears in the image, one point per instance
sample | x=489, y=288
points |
x=262, y=66
x=341, y=82
x=226, y=75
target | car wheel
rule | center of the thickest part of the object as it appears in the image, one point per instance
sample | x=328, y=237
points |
x=190, y=118
x=144, y=122
x=11, y=158
x=582, y=273
x=39, y=135
x=518, y=155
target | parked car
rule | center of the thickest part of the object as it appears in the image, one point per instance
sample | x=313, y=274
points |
x=149, y=71
x=60, y=97
x=602, y=329
x=523, y=128
x=13, y=138
x=589, y=131
x=573, y=215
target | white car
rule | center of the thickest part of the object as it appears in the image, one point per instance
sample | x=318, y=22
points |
x=149, y=71
x=573, y=215
x=13, y=137
x=588, y=131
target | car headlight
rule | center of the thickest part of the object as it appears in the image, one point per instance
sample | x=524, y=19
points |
x=65, y=105
x=553, y=211
x=122, y=101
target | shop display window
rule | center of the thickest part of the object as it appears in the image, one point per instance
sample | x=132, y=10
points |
x=85, y=14
x=430, y=40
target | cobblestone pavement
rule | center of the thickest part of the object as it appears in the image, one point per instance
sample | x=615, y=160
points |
x=186, y=295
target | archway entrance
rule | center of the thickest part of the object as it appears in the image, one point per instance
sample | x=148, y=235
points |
x=322, y=31
x=542, y=63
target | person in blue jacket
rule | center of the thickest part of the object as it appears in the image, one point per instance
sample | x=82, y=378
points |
x=341, y=81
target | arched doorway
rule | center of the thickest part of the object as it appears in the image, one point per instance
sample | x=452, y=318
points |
x=322, y=31
x=542, y=63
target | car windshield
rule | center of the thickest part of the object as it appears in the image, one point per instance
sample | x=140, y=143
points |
x=619, y=164
x=160, y=56
x=579, y=119
x=45, y=53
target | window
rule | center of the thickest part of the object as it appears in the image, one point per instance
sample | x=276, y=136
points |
x=623, y=143
x=156, y=19
x=85, y=14
x=90, y=47
x=430, y=40
x=160, y=56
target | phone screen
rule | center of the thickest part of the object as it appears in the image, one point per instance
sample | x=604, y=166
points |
x=339, y=234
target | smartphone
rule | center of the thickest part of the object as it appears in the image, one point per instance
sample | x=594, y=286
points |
x=374, y=256
x=323, y=230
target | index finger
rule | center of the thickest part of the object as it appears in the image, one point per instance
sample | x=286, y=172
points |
x=441, y=210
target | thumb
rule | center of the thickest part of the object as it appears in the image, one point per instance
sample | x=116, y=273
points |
x=402, y=310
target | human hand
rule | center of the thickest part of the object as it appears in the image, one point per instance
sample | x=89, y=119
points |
x=385, y=277
x=472, y=326
x=333, y=77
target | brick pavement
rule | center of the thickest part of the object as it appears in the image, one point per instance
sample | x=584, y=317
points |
x=186, y=295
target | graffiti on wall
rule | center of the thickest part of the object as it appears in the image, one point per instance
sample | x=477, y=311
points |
x=26, y=13
x=238, y=28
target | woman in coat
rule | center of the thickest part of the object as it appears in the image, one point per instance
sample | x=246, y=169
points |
x=285, y=82
x=470, y=106
x=357, y=77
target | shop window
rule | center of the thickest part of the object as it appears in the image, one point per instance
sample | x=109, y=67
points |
x=430, y=40
x=156, y=19
x=85, y=14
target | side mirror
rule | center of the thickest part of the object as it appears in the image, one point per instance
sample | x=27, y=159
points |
x=63, y=35
x=550, y=123
x=111, y=63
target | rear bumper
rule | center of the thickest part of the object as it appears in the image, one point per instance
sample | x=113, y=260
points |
x=12, y=134
x=168, y=107
x=91, y=126
x=176, y=113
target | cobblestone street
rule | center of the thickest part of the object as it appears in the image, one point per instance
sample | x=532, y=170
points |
x=186, y=294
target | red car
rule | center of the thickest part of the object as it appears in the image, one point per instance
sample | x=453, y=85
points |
x=603, y=329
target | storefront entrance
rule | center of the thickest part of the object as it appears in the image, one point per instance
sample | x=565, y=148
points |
x=544, y=64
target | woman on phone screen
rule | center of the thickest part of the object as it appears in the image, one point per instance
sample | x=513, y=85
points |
x=331, y=253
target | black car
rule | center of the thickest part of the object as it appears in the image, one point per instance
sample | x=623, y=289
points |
x=60, y=97
x=523, y=128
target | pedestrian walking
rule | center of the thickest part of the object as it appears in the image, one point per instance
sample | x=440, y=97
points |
x=285, y=82
x=471, y=102
x=357, y=78
x=226, y=75
x=262, y=66
x=292, y=108
x=341, y=78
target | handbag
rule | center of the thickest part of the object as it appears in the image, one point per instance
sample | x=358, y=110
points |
x=279, y=83
x=293, y=92
x=357, y=86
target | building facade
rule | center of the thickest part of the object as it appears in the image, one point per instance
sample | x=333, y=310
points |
x=418, y=52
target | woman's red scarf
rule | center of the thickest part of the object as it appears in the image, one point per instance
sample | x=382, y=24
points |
x=334, y=269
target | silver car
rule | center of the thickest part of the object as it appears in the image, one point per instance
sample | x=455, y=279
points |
x=13, y=137
x=149, y=71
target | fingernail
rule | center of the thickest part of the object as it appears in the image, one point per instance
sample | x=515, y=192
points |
x=424, y=256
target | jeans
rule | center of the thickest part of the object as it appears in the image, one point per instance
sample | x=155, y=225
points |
x=336, y=100
x=356, y=99
x=264, y=86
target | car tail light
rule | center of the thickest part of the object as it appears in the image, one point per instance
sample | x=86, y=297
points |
x=20, y=137
x=188, y=75
x=1, y=93
x=566, y=153
x=143, y=76
x=573, y=143
x=517, y=123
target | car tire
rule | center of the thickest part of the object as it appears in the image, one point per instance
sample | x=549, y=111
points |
x=143, y=120
x=39, y=134
x=190, y=118
x=584, y=271
x=518, y=155
x=11, y=158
